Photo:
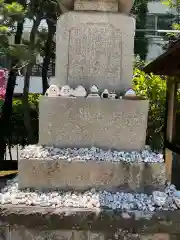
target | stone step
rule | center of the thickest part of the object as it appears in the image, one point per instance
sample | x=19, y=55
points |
x=37, y=219
x=84, y=122
x=82, y=176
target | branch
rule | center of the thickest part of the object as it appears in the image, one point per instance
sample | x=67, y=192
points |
x=19, y=68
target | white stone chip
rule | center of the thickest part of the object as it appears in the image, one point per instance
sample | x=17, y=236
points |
x=85, y=154
x=90, y=199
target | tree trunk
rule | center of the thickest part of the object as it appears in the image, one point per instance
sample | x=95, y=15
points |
x=19, y=32
x=5, y=120
x=141, y=42
x=48, y=52
x=27, y=117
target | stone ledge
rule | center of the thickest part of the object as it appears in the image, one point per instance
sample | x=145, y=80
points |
x=82, y=176
x=85, y=219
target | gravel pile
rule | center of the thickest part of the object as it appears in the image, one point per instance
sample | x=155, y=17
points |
x=85, y=154
x=90, y=199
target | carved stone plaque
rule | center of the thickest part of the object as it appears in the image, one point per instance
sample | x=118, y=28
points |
x=95, y=55
x=87, y=122
x=95, y=49
x=103, y=6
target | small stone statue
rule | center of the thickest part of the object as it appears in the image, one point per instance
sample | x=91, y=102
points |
x=130, y=93
x=94, y=92
x=105, y=94
x=52, y=91
x=66, y=91
x=80, y=91
x=113, y=95
x=94, y=89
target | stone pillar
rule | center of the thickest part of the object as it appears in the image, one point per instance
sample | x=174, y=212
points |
x=95, y=47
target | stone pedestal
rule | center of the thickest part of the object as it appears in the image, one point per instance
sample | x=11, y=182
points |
x=82, y=176
x=103, y=123
x=95, y=48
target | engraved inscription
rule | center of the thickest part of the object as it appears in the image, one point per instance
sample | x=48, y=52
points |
x=95, y=55
x=97, y=1
x=84, y=115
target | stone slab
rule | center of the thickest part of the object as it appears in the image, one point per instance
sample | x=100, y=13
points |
x=104, y=6
x=95, y=48
x=23, y=233
x=4, y=231
x=87, y=122
x=82, y=176
x=85, y=219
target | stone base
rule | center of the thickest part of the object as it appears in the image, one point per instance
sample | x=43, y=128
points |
x=84, y=122
x=39, y=218
x=22, y=233
x=82, y=176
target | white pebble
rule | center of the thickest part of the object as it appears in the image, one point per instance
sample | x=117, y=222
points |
x=85, y=154
x=89, y=199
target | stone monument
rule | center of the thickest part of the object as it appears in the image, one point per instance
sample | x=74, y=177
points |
x=96, y=49
x=94, y=69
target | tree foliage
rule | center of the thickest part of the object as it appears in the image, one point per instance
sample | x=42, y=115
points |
x=152, y=87
x=176, y=24
x=10, y=13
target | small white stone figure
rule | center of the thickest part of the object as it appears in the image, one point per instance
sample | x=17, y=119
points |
x=80, y=91
x=159, y=198
x=66, y=91
x=94, y=92
x=94, y=89
x=130, y=93
x=105, y=94
x=113, y=96
x=52, y=91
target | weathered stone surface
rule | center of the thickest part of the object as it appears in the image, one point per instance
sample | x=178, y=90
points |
x=158, y=236
x=19, y=232
x=104, y=6
x=95, y=48
x=124, y=5
x=84, y=219
x=78, y=175
x=4, y=232
x=118, y=124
